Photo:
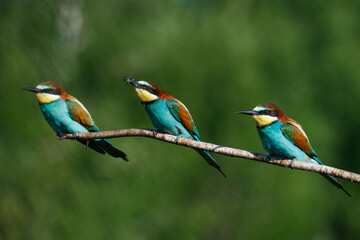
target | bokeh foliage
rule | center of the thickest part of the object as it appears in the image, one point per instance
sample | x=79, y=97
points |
x=217, y=57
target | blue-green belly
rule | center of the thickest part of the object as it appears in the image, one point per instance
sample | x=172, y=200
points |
x=163, y=120
x=57, y=115
x=275, y=143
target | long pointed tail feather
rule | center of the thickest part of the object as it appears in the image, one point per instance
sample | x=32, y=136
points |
x=210, y=160
x=331, y=178
x=93, y=146
x=335, y=182
x=104, y=146
x=111, y=150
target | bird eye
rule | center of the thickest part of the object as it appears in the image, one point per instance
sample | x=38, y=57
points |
x=266, y=112
x=147, y=88
x=48, y=90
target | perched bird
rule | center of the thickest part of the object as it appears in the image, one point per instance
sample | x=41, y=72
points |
x=283, y=137
x=168, y=114
x=65, y=114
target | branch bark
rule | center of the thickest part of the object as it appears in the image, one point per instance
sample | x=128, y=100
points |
x=232, y=152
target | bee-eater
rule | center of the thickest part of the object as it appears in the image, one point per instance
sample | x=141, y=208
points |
x=65, y=114
x=283, y=137
x=168, y=114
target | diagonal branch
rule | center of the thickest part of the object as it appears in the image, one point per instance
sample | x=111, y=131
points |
x=232, y=152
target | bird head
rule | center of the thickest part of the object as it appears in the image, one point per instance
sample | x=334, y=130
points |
x=146, y=91
x=46, y=92
x=264, y=114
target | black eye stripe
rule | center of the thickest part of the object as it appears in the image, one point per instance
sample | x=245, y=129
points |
x=150, y=89
x=271, y=113
x=146, y=87
x=46, y=90
x=51, y=91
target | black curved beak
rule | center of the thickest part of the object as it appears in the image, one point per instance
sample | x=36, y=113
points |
x=131, y=81
x=247, y=112
x=32, y=89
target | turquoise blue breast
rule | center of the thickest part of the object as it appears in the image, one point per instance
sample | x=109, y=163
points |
x=275, y=143
x=163, y=120
x=57, y=115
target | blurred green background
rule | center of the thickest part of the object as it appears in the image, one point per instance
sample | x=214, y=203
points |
x=217, y=57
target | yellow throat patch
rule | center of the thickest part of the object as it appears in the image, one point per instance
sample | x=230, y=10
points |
x=145, y=96
x=264, y=120
x=44, y=98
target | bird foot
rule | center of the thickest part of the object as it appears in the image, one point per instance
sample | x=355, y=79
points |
x=75, y=135
x=271, y=157
x=87, y=144
x=154, y=132
x=176, y=141
x=178, y=137
x=60, y=136
x=292, y=163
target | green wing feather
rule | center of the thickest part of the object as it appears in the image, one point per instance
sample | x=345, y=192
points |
x=79, y=113
x=181, y=114
x=297, y=137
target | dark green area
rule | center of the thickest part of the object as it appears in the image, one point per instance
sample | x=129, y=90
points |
x=217, y=57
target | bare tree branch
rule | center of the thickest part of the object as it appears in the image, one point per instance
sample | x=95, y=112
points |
x=232, y=152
